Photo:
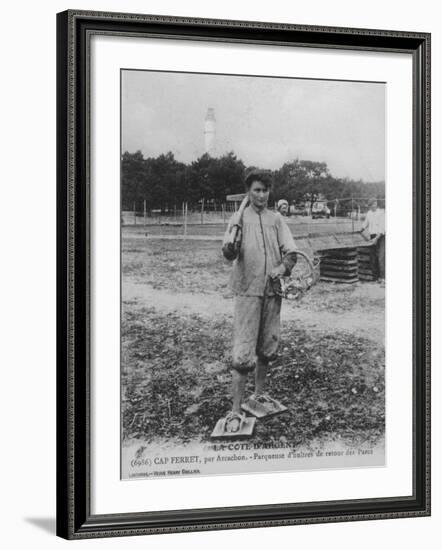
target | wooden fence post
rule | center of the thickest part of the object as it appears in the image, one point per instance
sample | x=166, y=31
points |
x=352, y=221
x=183, y=218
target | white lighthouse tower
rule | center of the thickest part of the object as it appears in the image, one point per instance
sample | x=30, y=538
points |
x=210, y=132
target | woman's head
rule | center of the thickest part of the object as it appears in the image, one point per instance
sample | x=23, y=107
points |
x=258, y=184
x=263, y=176
x=283, y=207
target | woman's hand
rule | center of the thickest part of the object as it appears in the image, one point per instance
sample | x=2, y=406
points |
x=278, y=271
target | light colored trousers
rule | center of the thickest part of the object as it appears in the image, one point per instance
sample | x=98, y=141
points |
x=256, y=330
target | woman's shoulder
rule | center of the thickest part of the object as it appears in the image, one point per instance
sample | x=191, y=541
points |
x=271, y=215
x=277, y=218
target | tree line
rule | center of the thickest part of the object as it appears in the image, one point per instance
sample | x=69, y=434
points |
x=164, y=182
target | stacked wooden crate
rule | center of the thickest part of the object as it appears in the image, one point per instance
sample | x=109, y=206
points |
x=345, y=258
x=366, y=263
x=339, y=265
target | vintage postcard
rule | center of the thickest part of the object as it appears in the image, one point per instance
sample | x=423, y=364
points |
x=252, y=274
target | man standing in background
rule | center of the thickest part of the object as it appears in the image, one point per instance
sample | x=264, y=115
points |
x=374, y=224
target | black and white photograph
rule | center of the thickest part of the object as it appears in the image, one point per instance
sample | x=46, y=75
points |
x=253, y=216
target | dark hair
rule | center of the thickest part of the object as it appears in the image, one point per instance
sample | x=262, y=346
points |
x=264, y=176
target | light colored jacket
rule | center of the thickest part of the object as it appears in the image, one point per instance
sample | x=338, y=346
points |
x=375, y=222
x=266, y=243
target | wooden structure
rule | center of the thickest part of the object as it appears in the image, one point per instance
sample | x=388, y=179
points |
x=366, y=263
x=236, y=199
x=348, y=264
x=339, y=265
x=345, y=258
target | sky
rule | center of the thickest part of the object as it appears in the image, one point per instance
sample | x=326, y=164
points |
x=264, y=121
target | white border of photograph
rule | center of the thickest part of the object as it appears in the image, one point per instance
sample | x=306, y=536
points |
x=110, y=494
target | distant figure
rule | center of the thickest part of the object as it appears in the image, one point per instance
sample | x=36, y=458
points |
x=374, y=223
x=283, y=207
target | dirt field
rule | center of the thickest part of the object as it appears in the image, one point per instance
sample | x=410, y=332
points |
x=176, y=334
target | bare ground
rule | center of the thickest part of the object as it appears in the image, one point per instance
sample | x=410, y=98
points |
x=312, y=313
x=176, y=334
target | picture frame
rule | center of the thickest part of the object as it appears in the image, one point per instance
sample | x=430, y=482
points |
x=75, y=217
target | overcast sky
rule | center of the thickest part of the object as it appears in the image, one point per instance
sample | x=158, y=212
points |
x=264, y=121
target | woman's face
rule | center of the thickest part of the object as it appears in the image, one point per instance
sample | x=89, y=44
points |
x=258, y=194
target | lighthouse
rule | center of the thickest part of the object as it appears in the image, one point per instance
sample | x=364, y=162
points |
x=210, y=132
